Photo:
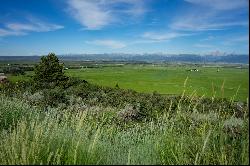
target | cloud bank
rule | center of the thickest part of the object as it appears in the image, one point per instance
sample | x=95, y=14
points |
x=96, y=14
x=207, y=15
x=32, y=25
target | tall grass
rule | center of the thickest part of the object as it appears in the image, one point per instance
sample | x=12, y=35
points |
x=86, y=137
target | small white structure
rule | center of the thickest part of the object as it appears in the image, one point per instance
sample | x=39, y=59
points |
x=194, y=70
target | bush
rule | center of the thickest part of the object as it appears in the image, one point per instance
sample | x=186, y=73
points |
x=52, y=97
x=34, y=99
x=71, y=81
x=130, y=112
x=15, y=88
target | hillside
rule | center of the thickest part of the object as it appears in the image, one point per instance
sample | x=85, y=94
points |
x=56, y=119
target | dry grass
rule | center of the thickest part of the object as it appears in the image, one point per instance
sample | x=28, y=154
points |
x=84, y=137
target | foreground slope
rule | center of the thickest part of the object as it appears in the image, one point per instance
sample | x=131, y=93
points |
x=82, y=134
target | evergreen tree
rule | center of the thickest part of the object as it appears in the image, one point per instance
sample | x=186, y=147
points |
x=49, y=73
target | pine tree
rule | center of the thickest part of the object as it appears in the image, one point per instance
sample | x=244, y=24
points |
x=49, y=73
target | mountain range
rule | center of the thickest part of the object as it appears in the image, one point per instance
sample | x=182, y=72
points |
x=151, y=58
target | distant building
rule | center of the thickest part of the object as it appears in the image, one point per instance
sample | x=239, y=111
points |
x=193, y=70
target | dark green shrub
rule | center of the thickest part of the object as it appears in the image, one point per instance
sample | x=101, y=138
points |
x=14, y=88
x=52, y=97
x=71, y=81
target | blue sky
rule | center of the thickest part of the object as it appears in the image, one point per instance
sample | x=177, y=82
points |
x=36, y=27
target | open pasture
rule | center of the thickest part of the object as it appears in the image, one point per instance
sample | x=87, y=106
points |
x=227, y=82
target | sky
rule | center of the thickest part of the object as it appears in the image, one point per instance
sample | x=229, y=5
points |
x=37, y=27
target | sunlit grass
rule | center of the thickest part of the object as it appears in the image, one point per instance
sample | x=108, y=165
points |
x=166, y=80
x=169, y=80
x=33, y=136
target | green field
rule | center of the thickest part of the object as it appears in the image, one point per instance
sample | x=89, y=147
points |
x=170, y=80
x=229, y=82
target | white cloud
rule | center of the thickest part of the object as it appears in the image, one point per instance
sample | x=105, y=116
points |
x=90, y=13
x=206, y=15
x=221, y=4
x=114, y=44
x=233, y=40
x=163, y=36
x=33, y=25
x=244, y=38
x=209, y=38
x=96, y=14
x=132, y=7
x=203, y=45
x=7, y=32
x=144, y=41
x=204, y=24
